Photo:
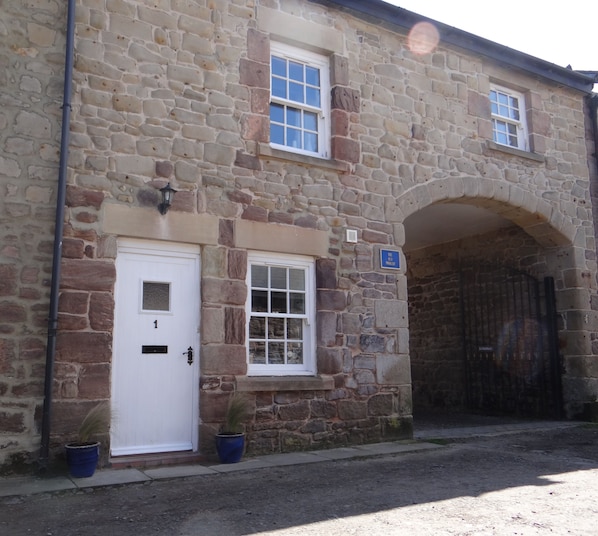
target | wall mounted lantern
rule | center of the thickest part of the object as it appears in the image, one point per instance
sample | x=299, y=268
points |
x=167, y=197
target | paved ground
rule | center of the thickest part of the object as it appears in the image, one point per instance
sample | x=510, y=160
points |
x=537, y=478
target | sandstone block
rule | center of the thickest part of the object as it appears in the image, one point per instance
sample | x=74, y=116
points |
x=393, y=370
x=218, y=154
x=87, y=275
x=349, y=410
x=234, y=325
x=223, y=359
x=224, y=292
x=32, y=124
x=94, y=381
x=331, y=300
x=84, y=347
x=101, y=311
x=254, y=73
x=329, y=360
x=297, y=411
x=8, y=279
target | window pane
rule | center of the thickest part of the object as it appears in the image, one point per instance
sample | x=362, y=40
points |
x=296, y=279
x=276, y=353
x=310, y=142
x=502, y=98
x=293, y=117
x=312, y=76
x=296, y=92
x=312, y=96
x=515, y=114
x=259, y=276
x=295, y=328
x=512, y=135
x=257, y=327
x=276, y=328
x=279, y=88
x=294, y=353
x=257, y=353
x=279, y=66
x=293, y=138
x=259, y=301
x=277, y=113
x=277, y=134
x=310, y=121
x=278, y=277
x=297, y=303
x=278, y=302
x=156, y=296
x=296, y=71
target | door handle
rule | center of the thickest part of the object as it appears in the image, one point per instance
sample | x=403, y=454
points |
x=189, y=354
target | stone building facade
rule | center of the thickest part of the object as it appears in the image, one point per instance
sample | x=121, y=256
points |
x=183, y=93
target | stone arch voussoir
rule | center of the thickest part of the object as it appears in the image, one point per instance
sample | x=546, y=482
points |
x=540, y=219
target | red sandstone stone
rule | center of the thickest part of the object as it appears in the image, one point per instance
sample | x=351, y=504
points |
x=8, y=279
x=101, y=311
x=226, y=233
x=84, y=347
x=254, y=74
x=73, y=248
x=87, y=275
x=258, y=46
x=255, y=213
x=234, y=325
x=74, y=303
x=94, y=381
x=80, y=197
x=11, y=312
x=345, y=149
x=237, y=264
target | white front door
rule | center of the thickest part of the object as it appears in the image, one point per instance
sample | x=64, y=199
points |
x=155, y=365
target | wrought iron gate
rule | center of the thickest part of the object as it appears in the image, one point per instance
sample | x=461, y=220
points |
x=510, y=350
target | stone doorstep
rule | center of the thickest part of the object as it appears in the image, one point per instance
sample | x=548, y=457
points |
x=141, y=461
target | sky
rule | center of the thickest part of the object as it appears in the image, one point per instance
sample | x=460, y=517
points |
x=564, y=33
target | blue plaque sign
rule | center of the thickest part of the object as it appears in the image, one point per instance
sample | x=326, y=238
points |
x=389, y=258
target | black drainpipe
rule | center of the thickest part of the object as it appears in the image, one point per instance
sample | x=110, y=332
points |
x=58, y=230
x=594, y=121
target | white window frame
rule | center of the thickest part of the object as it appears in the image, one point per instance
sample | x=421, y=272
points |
x=308, y=367
x=504, y=118
x=321, y=63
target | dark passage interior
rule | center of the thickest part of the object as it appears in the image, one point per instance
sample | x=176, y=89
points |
x=482, y=337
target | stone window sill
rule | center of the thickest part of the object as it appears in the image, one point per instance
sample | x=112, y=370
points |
x=284, y=383
x=264, y=151
x=515, y=152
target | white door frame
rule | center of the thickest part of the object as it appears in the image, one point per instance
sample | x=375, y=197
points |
x=164, y=249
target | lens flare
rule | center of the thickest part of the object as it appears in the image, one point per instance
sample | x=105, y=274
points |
x=423, y=38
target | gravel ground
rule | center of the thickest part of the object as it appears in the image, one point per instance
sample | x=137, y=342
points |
x=516, y=484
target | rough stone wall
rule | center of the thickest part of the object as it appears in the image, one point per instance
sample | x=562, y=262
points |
x=177, y=91
x=31, y=74
x=435, y=337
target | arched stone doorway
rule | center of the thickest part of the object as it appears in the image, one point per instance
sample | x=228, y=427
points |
x=447, y=227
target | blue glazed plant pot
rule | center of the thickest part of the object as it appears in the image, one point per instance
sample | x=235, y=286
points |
x=82, y=459
x=230, y=447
